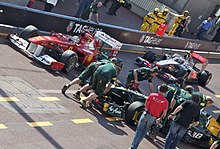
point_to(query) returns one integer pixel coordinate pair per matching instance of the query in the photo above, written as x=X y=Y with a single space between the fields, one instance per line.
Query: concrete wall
x=17 y=2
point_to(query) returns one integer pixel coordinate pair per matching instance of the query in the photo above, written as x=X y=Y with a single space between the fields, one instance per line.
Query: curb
x=136 y=49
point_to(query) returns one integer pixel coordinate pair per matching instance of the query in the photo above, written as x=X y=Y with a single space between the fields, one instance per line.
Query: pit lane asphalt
x=95 y=132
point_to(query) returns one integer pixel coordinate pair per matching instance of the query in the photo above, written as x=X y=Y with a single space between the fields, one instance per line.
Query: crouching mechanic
x=104 y=75
x=85 y=75
x=140 y=74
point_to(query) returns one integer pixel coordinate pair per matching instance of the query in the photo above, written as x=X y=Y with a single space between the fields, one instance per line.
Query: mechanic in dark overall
x=89 y=11
x=103 y=78
x=187 y=116
x=140 y=74
x=85 y=75
x=156 y=107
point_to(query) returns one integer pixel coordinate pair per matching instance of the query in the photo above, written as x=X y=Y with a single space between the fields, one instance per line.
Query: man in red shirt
x=156 y=107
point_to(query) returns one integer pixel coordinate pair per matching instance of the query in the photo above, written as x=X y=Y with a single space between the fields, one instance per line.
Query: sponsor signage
x=22 y=16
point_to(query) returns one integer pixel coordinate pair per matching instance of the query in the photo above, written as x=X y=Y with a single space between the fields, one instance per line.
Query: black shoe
x=77 y=95
x=114 y=14
x=85 y=104
x=65 y=87
x=109 y=13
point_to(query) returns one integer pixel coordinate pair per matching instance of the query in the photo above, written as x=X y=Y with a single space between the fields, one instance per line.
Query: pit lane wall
x=22 y=16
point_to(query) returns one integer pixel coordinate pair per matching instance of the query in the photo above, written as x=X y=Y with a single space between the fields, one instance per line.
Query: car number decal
x=195 y=135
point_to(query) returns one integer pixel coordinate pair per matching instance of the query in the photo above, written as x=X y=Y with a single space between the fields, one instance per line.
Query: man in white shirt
x=49 y=5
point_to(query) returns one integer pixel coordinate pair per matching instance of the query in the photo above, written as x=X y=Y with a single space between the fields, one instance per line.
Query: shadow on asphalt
x=112 y=126
x=208 y=89
x=29 y=119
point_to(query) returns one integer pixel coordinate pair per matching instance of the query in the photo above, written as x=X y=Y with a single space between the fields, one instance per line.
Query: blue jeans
x=144 y=125
x=83 y=5
x=201 y=33
x=174 y=136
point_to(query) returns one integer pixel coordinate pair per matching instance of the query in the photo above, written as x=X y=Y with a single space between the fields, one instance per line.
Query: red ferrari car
x=64 y=52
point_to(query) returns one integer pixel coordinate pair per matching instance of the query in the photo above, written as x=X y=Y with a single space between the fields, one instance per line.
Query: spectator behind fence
x=31 y=3
x=92 y=9
x=214 y=23
x=115 y=6
x=82 y=6
x=178 y=21
x=183 y=26
x=50 y=4
x=204 y=28
x=105 y=3
x=217 y=35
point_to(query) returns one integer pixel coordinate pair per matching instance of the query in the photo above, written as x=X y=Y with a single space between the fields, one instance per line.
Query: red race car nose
x=57 y=66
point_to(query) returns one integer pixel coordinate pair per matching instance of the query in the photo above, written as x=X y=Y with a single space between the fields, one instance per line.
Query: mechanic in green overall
x=171 y=95
x=141 y=74
x=103 y=78
x=173 y=89
x=85 y=75
x=205 y=101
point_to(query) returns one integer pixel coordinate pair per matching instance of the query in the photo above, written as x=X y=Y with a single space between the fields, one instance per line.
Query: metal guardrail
x=137 y=49
x=21 y=16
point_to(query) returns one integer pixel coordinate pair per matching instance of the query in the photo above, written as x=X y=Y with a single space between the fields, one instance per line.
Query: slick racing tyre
x=28 y=32
x=133 y=113
x=69 y=58
x=150 y=56
x=204 y=78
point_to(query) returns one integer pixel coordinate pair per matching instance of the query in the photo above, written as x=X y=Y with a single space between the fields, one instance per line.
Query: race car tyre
x=133 y=113
x=150 y=56
x=29 y=31
x=204 y=78
x=69 y=58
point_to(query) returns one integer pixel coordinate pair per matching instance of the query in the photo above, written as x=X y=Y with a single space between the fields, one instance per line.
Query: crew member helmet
x=118 y=62
x=75 y=39
x=156 y=10
x=154 y=70
x=189 y=88
x=186 y=13
x=165 y=11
